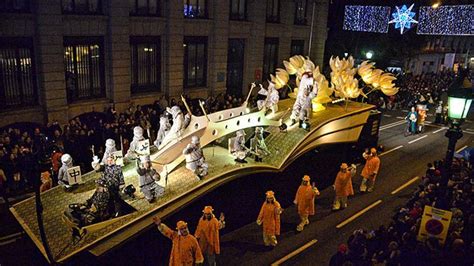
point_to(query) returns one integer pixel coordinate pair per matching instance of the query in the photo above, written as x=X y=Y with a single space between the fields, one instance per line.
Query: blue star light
x=403 y=18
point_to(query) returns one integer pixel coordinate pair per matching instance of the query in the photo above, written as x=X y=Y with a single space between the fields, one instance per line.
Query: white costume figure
x=306 y=92
x=195 y=160
x=109 y=150
x=63 y=176
x=178 y=124
x=147 y=180
x=271 y=102
x=258 y=146
x=239 y=150
x=137 y=136
x=187 y=120
x=164 y=128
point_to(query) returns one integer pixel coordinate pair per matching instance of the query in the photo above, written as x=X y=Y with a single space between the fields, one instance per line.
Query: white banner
x=74 y=175
x=143 y=147
x=449 y=60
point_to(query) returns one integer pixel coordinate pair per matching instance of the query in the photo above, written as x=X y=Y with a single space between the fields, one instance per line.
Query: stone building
x=441 y=53
x=62 y=58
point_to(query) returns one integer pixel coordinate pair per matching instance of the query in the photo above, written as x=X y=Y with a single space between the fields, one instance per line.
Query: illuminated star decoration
x=403 y=18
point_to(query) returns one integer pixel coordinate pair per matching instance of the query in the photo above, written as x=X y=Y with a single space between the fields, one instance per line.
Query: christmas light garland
x=366 y=18
x=442 y=20
x=446 y=20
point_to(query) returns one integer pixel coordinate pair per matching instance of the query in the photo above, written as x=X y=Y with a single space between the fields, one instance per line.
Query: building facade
x=443 y=53
x=62 y=58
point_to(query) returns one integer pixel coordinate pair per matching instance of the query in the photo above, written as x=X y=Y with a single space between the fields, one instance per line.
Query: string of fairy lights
x=446 y=20
x=366 y=18
x=442 y=20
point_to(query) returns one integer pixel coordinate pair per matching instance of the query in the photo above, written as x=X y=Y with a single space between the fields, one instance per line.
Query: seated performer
x=148 y=178
x=96 y=209
x=258 y=146
x=238 y=149
x=272 y=97
x=195 y=160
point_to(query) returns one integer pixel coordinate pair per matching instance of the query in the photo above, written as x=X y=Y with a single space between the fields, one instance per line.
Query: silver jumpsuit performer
x=195 y=160
x=147 y=180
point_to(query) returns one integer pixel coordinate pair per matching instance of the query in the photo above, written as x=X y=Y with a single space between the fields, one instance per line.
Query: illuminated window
x=273 y=11
x=84 y=67
x=297 y=47
x=17 y=73
x=145 y=7
x=195 y=61
x=195 y=8
x=15 y=6
x=238 y=9
x=85 y=7
x=270 y=57
x=300 y=12
x=145 y=64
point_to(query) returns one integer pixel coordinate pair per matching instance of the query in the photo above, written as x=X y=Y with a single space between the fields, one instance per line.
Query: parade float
x=330 y=117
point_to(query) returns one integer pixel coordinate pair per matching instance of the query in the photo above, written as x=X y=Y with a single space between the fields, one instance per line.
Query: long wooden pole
x=311 y=32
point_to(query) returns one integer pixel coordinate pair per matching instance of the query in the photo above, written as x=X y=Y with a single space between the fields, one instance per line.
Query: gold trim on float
x=29 y=231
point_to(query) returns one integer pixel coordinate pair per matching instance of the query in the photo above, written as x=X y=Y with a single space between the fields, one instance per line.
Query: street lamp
x=459 y=102
x=369 y=54
x=460 y=97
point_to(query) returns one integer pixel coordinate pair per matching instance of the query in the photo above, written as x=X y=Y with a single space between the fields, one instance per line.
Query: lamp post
x=459 y=102
x=369 y=55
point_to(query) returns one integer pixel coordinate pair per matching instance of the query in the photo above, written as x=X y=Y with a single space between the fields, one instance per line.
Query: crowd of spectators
x=397 y=244
x=425 y=89
x=84 y=136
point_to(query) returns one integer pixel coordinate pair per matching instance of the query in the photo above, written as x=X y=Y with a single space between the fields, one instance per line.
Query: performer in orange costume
x=269 y=216
x=185 y=250
x=370 y=171
x=343 y=186
x=305 y=201
x=207 y=233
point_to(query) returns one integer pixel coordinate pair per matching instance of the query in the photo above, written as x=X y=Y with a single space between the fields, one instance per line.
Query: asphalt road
x=405 y=158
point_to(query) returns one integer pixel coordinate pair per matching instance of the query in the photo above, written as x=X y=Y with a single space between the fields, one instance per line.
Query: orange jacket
x=343 y=184
x=46 y=186
x=305 y=200
x=185 y=250
x=207 y=233
x=56 y=161
x=371 y=168
x=270 y=217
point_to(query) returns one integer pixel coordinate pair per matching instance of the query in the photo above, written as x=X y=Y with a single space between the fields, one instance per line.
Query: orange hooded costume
x=270 y=216
x=207 y=233
x=185 y=250
x=371 y=167
x=305 y=198
x=343 y=183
